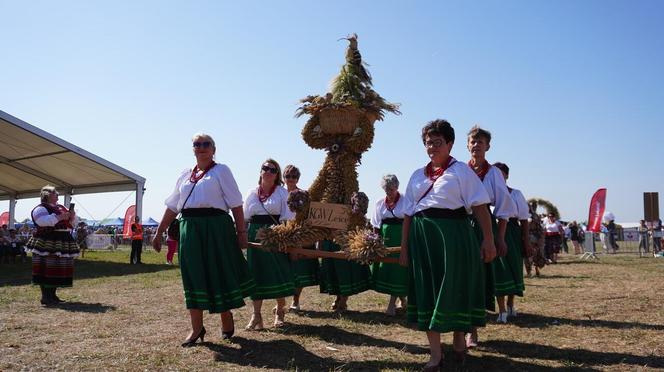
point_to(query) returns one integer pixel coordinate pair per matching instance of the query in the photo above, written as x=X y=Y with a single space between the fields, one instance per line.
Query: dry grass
x=585 y=316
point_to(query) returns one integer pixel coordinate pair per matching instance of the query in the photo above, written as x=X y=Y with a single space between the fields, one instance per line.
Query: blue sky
x=571 y=90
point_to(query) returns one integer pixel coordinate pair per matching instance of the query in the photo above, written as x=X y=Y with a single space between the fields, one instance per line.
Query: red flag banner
x=130 y=214
x=4 y=218
x=597 y=205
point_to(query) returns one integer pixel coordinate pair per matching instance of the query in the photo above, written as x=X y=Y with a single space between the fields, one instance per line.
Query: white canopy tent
x=31 y=158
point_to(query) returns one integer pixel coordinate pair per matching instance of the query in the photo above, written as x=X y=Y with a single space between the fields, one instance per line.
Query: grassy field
x=605 y=315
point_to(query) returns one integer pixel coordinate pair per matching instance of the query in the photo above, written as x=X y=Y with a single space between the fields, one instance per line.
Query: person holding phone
x=52 y=246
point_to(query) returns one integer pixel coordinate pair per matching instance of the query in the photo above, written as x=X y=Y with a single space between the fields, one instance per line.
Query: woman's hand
x=403 y=256
x=156 y=242
x=487 y=250
x=501 y=247
x=242 y=240
x=64 y=216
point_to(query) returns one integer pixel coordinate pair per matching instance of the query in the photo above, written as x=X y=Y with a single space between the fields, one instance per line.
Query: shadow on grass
x=337 y=336
x=82 y=307
x=578 y=357
x=21 y=273
x=526 y=320
x=288 y=355
x=544 y=277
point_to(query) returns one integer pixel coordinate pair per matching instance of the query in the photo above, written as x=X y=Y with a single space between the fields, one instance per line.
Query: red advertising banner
x=4 y=218
x=130 y=214
x=597 y=205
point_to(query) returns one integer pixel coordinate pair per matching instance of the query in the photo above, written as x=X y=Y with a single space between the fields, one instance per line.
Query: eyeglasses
x=204 y=145
x=272 y=170
x=291 y=177
x=433 y=144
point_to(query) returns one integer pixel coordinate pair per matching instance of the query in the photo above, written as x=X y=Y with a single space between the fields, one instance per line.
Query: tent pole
x=12 y=210
x=139 y=200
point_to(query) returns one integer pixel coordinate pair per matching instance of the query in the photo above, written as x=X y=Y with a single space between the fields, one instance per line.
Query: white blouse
x=523 y=212
x=217 y=189
x=494 y=182
x=381 y=212
x=275 y=204
x=43 y=218
x=458 y=187
x=551 y=227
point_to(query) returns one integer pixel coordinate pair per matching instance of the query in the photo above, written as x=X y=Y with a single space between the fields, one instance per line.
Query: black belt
x=442 y=213
x=265 y=219
x=392 y=221
x=203 y=212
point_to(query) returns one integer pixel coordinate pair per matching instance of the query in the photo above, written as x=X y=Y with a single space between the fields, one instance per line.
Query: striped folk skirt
x=272 y=271
x=53 y=256
x=215 y=275
x=390 y=278
x=306 y=272
x=342 y=277
x=446 y=289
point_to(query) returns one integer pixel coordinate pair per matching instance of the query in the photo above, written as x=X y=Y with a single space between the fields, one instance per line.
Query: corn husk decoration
x=342 y=124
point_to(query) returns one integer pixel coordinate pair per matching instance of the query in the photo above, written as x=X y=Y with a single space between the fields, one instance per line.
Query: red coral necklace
x=195 y=177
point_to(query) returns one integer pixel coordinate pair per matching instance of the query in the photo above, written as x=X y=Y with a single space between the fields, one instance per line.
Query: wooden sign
x=333 y=216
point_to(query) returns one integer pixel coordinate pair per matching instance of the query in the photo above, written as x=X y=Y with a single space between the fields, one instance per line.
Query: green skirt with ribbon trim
x=272 y=271
x=342 y=277
x=446 y=288
x=215 y=275
x=390 y=278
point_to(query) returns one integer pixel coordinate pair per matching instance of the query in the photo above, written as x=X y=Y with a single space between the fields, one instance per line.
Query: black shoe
x=192 y=341
x=226 y=335
x=54 y=298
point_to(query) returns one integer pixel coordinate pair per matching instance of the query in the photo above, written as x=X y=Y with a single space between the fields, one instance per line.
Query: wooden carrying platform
x=314 y=253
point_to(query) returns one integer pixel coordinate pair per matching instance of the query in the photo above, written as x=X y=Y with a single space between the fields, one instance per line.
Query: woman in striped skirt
x=446 y=292
x=390 y=278
x=264 y=206
x=52 y=246
x=215 y=275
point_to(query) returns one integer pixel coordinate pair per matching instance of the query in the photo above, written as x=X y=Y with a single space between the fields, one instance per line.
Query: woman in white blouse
x=390 y=278
x=266 y=205
x=518 y=246
x=52 y=246
x=446 y=292
x=215 y=275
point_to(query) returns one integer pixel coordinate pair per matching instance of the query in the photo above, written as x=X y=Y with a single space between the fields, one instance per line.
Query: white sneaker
x=502 y=318
x=511 y=312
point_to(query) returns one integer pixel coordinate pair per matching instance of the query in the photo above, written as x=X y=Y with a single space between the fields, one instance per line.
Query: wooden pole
x=340 y=255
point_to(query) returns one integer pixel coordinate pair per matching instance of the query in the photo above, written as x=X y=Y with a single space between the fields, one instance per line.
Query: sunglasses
x=291 y=177
x=433 y=144
x=204 y=145
x=272 y=170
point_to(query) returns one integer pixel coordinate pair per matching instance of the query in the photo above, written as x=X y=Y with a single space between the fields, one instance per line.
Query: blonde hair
x=45 y=192
x=204 y=136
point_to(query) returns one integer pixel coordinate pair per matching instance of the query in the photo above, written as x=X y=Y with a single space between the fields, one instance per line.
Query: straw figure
x=342 y=124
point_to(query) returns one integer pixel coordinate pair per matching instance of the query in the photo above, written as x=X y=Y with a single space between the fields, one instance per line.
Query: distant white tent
x=150 y=222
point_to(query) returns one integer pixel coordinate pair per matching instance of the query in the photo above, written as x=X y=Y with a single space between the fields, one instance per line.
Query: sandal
x=256 y=323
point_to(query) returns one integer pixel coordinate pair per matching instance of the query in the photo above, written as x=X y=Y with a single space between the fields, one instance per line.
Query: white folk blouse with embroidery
x=501 y=200
x=523 y=212
x=217 y=189
x=381 y=212
x=275 y=204
x=458 y=187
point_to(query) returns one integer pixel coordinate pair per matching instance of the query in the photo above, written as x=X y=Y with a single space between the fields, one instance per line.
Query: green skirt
x=446 y=291
x=390 y=278
x=487 y=268
x=342 y=277
x=306 y=271
x=271 y=270
x=514 y=258
x=215 y=275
